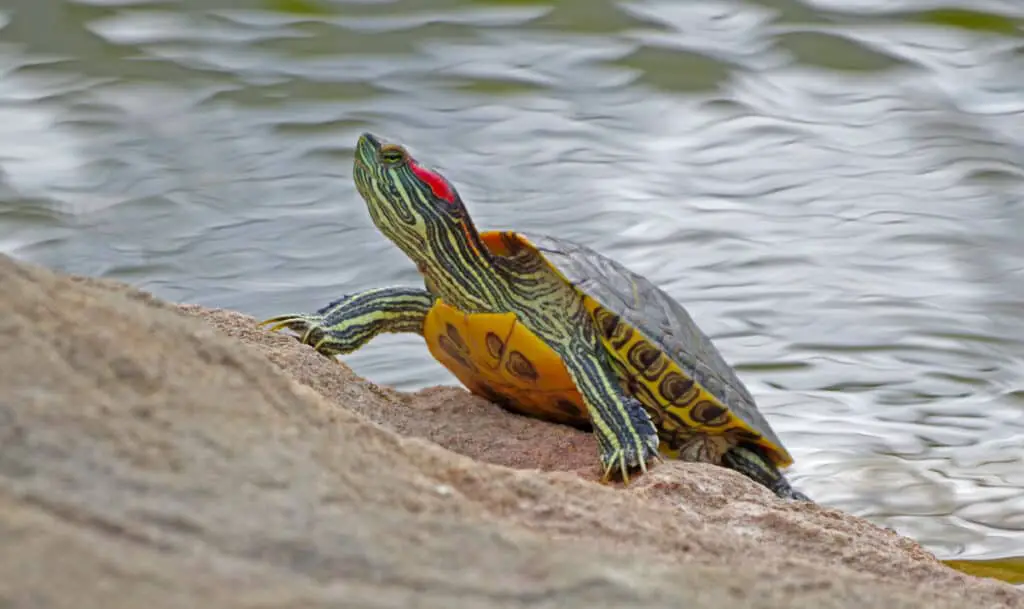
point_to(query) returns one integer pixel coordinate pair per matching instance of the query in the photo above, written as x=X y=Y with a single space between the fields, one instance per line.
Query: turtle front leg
x=351 y=321
x=625 y=433
x=751 y=461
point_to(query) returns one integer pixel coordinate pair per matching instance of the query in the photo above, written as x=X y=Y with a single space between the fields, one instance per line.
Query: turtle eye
x=392 y=154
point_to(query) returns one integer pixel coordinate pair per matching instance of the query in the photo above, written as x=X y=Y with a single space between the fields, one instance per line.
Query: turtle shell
x=648 y=310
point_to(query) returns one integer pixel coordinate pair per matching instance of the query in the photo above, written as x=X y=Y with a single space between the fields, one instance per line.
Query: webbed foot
x=309 y=330
x=630 y=448
x=796 y=495
x=346 y=324
x=752 y=461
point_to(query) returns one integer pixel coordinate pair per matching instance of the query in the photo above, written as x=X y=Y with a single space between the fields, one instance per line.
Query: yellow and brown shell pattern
x=497 y=358
x=692 y=423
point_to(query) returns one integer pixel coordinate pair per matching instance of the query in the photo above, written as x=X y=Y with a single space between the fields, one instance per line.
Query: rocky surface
x=161 y=456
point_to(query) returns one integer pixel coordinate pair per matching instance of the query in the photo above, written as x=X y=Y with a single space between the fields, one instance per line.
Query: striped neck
x=458 y=267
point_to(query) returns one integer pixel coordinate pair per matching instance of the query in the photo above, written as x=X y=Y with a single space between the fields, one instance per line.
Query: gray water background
x=833 y=188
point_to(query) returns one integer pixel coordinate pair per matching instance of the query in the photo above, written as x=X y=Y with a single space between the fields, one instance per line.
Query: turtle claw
x=618 y=458
x=798 y=496
x=277 y=319
x=294 y=322
x=631 y=457
x=307 y=327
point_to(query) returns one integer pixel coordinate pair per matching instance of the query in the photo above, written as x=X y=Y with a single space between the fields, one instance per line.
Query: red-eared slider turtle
x=547 y=328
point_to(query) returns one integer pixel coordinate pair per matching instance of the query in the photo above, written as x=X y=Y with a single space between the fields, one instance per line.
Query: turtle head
x=415 y=207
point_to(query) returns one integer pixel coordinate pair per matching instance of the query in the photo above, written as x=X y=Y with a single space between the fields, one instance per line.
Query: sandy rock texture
x=161 y=456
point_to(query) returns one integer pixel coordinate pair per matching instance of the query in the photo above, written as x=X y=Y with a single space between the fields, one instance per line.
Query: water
x=833 y=188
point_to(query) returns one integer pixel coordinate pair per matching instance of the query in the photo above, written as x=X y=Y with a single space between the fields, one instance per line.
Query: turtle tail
x=752 y=461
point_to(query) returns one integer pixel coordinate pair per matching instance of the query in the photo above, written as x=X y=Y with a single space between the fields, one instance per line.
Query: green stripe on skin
x=351 y=321
x=423 y=215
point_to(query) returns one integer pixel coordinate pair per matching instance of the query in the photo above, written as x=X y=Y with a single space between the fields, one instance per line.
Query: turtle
x=548 y=328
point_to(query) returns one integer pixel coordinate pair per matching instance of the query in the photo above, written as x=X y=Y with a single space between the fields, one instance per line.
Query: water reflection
x=832 y=189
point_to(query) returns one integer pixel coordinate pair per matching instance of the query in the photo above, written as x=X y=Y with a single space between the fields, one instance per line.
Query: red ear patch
x=438 y=185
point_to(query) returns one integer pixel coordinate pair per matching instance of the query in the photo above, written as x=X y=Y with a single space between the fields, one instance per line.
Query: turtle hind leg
x=751 y=460
x=351 y=321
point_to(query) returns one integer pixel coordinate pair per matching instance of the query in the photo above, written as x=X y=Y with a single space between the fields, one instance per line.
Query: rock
x=160 y=456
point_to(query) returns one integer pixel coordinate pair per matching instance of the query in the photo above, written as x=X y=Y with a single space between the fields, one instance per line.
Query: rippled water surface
x=832 y=187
